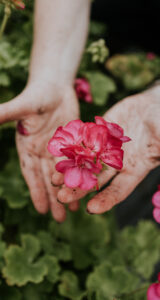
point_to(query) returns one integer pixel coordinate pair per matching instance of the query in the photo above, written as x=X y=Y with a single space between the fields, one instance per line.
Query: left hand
x=139 y=117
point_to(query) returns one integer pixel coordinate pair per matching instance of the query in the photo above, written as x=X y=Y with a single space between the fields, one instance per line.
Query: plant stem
x=7 y=13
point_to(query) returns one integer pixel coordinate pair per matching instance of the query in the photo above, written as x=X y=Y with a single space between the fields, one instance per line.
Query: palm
x=139 y=116
x=41 y=119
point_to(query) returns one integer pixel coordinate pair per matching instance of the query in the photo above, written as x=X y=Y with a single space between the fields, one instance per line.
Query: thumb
x=14 y=109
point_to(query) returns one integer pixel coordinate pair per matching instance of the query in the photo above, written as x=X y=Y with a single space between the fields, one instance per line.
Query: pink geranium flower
x=153 y=292
x=151 y=55
x=87 y=146
x=156 y=204
x=83 y=90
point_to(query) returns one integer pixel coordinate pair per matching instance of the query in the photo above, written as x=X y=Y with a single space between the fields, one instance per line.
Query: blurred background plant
x=87 y=257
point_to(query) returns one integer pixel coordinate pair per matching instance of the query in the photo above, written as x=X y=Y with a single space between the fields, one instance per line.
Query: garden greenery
x=87 y=257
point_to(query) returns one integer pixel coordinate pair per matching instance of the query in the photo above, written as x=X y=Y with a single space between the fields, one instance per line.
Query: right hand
x=41 y=109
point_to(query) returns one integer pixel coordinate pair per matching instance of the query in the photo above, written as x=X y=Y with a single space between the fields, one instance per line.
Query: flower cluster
x=98 y=51
x=156 y=204
x=150 y=56
x=19 y=4
x=87 y=146
x=153 y=292
x=83 y=89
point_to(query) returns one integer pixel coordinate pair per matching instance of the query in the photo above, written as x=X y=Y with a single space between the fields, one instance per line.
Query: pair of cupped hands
x=41 y=108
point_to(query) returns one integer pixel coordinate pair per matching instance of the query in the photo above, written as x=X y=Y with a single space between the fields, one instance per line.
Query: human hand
x=40 y=109
x=139 y=117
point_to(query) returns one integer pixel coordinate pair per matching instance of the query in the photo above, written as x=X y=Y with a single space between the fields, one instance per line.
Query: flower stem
x=7 y=13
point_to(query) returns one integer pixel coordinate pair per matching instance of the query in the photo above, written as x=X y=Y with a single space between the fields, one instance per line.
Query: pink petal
x=63 y=165
x=151 y=293
x=93 y=167
x=113 y=142
x=125 y=139
x=55 y=145
x=88 y=98
x=60 y=139
x=95 y=137
x=156 y=214
x=156 y=199
x=114 y=129
x=73 y=128
x=83 y=89
x=100 y=121
x=66 y=135
x=75 y=150
x=73 y=177
x=113 y=158
x=89 y=180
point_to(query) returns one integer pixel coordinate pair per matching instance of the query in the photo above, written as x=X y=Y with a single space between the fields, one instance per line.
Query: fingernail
x=59 y=201
x=88 y=212
x=55 y=185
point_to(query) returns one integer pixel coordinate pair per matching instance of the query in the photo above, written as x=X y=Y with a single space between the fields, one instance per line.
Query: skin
x=49 y=100
x=139 y=117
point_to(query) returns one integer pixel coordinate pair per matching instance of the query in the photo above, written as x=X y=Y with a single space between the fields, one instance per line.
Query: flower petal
x=156 y=199
x=156 y=214
x=73 y=177
x=113 y=158
x=95 y=137
x=151 y=293
x=55 y=146
x=89 y=180
x=63 y=165
x=73 y=128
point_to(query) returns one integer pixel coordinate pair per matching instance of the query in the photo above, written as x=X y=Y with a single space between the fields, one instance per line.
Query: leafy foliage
x=87 y=257
x=69 y=286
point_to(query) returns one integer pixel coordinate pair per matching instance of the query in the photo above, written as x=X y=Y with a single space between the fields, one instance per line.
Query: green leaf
x=12 y=185
x=53 y=268
x=22 y=264
x=2 y=247
x=132 y=70
x=110 y=280
x=69 y=286
x=140 y=246
x=85 y=233
x=4 y=79
x=101 y=86
x=50 y=245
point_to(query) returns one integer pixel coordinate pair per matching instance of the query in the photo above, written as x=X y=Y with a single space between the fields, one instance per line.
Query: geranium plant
x=87 y=257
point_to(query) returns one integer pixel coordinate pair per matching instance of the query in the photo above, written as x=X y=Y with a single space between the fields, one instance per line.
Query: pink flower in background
x=87 y=146
x=150 y=55
x=156 y=204
x=83 y=89
x=19 y=4
x=153 y=292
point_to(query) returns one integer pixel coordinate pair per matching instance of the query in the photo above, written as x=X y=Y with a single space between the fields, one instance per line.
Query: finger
x=121 y=186
x=57 y=178
x=14 y=110
x=32 y=173
x=57 y=209
x=67 y=195
x=74 y=206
